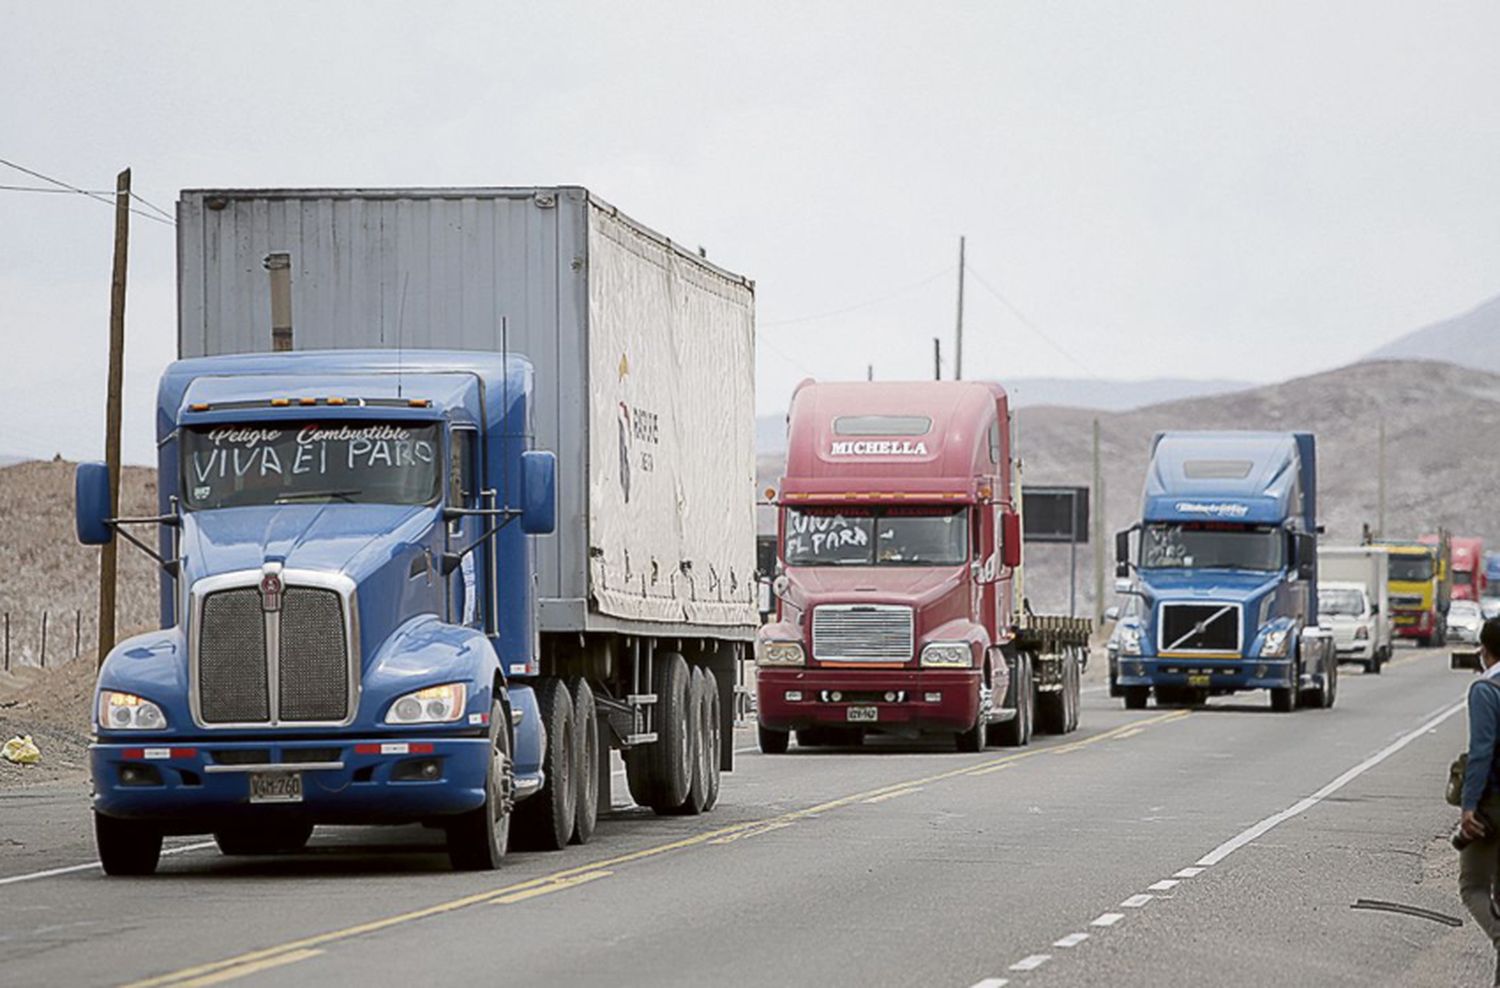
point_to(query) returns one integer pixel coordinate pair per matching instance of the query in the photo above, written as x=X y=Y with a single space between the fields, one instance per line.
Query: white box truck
x=1354 y=602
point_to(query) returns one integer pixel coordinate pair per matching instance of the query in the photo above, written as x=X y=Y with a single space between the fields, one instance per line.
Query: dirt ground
x=51 y=705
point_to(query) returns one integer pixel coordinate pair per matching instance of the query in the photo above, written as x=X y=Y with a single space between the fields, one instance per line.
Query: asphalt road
x=1220 y=846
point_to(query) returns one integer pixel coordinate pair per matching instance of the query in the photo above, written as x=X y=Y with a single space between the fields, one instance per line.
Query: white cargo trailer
x=644 y=359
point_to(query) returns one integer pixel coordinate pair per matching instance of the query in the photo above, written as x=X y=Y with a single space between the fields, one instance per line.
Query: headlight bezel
x=947 y=655
x=1276 y=643
x=140 y=713
x=781 y=654
x=1130 y=641
x=440 y=703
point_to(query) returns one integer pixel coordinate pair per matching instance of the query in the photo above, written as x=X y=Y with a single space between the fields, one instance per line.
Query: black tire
x=698 y=772
x=1073 y=686
x=1284 y=700
x=477 y=839
x=713 y=737
x=587 y=752
x=972 y=740
x=1016 y=732
x=1425 y=641
x=1136 y=697
x=126 y=847
x=545 y=821
x=286 y=838
x=772 y=741
x=1330 y=691
x=1052 y=707
x=671 y=757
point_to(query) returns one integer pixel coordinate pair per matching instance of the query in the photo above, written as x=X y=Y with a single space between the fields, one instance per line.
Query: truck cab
x=1469 y=578
x=899 y=544
x=1224 y=560
x=1419 y=590
x=347 y=626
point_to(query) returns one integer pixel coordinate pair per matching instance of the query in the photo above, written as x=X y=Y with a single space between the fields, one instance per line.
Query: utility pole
x=108 y=553
x=1380 y=488
x=937 y=358
x=958 y=336
x=1098 y=532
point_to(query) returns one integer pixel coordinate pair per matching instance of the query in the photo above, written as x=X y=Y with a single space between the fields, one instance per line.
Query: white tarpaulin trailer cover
x=644 y=357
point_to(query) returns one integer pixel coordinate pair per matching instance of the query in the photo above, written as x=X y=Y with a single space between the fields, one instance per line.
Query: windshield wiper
x=310 y=495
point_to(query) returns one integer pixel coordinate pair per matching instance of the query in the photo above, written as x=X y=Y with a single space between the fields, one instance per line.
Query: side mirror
x=1122 y=554
x=91 y=504
x=1111 y=614
x=1010 y=534
x=1374 y=610
x=1307 y=556
x=538 y=492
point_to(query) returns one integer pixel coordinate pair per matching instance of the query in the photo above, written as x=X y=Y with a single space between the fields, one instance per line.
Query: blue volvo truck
x=455 y=495
x=1224 y=562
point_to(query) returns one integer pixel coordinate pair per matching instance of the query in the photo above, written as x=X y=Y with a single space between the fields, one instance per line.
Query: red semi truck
x=898 y=588
x=1469 y=581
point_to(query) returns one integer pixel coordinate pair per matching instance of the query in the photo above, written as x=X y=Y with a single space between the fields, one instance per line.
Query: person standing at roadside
x=1480 y=803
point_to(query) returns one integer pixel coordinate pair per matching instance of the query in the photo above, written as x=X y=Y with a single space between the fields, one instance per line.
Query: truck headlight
x=1130 y=641
x=1274 y=645
x=433 y=705
x=1361 y=633
x=781 y=654
x=950 y=655
x=128 y=712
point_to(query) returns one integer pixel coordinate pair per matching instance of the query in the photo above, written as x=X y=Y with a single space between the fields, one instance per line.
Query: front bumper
x=201 y=783
x=956 y=709
x=1355 y=649
x=1413 y=624
x=1223 y=675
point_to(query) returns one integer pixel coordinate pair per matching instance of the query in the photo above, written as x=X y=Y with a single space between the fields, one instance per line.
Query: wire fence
x=43 y=640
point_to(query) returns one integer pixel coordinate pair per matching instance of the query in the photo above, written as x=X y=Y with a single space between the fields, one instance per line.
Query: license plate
x=275 y=787
x=863 y=714
x=1199 y=679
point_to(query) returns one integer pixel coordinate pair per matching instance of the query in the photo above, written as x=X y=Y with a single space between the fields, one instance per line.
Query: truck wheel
x=772 y=741
x=126 y=847
x=1052 y=707
x=973 y=739
x=697 y=748
x=545 y=821
x=1136 y=697
x=1330 y=690
x=713 y=738
x=286 y=838
x=1017 y=731
x=671 y=757
x=586 y=750
x=1073 y=686
x=1284 y=701
x=477 y=838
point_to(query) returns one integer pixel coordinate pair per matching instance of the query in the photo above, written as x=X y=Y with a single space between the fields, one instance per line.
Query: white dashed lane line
x=1108 y=919
x=991 y=983
x=1071 y=940
x=1166 y=884
x=1031 y=963
x=1137 y=901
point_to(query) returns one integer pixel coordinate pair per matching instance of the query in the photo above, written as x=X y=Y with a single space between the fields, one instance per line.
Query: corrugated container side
x=448 y=268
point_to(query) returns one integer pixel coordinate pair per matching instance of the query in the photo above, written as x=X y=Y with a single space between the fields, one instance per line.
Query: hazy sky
x=1199 y=189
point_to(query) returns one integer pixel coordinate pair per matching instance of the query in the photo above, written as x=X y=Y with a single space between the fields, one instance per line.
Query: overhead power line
x=104 y=197
x=1024 y=321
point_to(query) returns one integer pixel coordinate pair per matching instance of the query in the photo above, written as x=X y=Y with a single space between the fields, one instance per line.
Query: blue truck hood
x=353 y=539
x=1197 y=584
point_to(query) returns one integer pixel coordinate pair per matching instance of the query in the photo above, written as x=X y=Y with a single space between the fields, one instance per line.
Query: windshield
x=876 y=536
x=1411 y=567
x=1350 y=603
x=230 y=466
x=1463 y=609
x=1212 y=545
x=1462 y=577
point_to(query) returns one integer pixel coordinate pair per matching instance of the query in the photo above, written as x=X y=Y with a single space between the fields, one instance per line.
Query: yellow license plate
x=1199 y=679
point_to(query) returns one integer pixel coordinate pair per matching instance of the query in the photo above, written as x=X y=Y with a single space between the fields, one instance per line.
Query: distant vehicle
x=1419 y=588
x=1227 y=569
x=1345 y=610
x=1127 y=619
x=1464 y=621
x=1489 y=607
x=1363 y=636
x=1467 y=556
x=361 y=621
x=898 y=605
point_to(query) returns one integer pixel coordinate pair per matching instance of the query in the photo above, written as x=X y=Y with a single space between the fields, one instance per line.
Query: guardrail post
x=44 y=639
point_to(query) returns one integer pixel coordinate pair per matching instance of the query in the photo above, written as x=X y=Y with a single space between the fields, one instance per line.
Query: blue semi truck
x=483 y=513
x=1224 y=563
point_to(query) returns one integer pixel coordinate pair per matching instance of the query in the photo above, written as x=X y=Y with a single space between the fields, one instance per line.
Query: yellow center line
x=567 y=883
x=894 y=794
x=243 y=970
x=563 y=878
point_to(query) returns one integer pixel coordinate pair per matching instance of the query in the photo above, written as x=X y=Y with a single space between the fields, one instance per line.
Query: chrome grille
x=862 y=633
x=1200 y=628
x=313 y=671
x=293 y=664
x=1406 y=600
x=232 y=679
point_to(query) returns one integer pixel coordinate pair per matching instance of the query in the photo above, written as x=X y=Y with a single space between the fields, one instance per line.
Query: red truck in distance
x=1469 y=581
x=899 y=567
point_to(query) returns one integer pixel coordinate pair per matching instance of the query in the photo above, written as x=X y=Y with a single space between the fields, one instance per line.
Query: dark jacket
x=1482 y=775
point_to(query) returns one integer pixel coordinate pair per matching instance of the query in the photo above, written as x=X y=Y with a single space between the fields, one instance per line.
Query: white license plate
x=275 y=787
x=862 y=714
